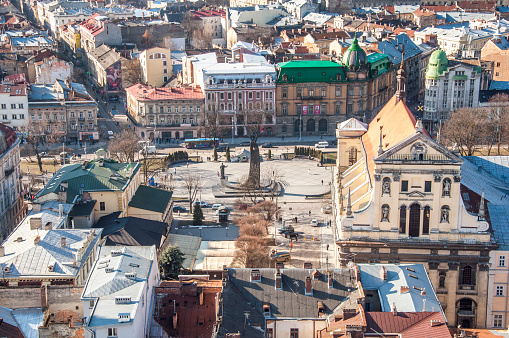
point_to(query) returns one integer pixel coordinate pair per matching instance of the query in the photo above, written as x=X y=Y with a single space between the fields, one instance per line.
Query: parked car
x=245 y=143
x=327 y=209
x=267 y=145
x=333 y=142
x=322 y=144
x=178 y=208
x=202 y=204
x=110 y=132
x=217 y=206
x=314 y=223
x=221 y=148
x=281 y=256
x=291 y=235
x=285 y=229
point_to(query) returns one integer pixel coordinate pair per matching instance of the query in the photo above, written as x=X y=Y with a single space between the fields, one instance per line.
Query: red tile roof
x=14 y=90
x=409 y=32
x=477 y=5
x=397 y=123
x=93 y=26
x=16 y=78
x=9 y=133
x=408 y=324
x=207 y=13
x=146 y=93
x=441 y=8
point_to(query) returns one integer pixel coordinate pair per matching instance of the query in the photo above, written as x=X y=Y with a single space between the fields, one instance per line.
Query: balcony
x=240 y=85
x=81 y=119
x=9 y=171
x=311 y=97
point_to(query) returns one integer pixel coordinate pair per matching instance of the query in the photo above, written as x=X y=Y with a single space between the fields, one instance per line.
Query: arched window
x=240 y=106
x=414 y=222
x=446 y=187
x=444 y=214
x=402 y=219
x=441 y=279
x=229 y=106
x=221 y=107
x=385 y=213
x=466 y=275
x=310 y=125
x=386 y=186
x=425 y=220
x=322 y=125
x=352 y=156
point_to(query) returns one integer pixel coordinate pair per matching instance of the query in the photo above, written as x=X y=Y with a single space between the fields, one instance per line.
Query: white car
x=327 y=209
x=216 y=206
x=314 y=223
x=110 y=133
x=322 y=144
x=201 y=203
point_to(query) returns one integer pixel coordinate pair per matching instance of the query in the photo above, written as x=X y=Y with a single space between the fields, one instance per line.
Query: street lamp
x=300 y=126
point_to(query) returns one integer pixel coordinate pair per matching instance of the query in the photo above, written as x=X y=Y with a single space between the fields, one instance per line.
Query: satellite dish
x=350 y=265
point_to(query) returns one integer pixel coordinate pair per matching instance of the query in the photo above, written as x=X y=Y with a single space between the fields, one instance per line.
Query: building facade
x=497 y=51
x=155 y=66
x=14 y=106
x=162 y=114
x=401 y=202
x=312 y=96
x=449 y=86
x=237 y=94
x=97 y=31
x=12 y=208
x=64 y=108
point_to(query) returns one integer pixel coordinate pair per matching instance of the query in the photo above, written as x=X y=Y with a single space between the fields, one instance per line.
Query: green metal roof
x=150 y=198
x=437 y=64
x=110 y=176
x=302 y=71
x=354 y=56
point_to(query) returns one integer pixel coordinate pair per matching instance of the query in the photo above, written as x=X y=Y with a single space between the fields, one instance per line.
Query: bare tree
x=147 y=39
x=124 y=146
x=197 y=37
x=251 y=252
x=41 y=133
x=193 y=184
x=253 y=121
x=498 y=121
x=131 y=72
x=466 y=128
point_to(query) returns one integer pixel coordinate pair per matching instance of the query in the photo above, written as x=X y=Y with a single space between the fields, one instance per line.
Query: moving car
x=322 y=144
x=221 y=148
x=202 y=204
x=285 y=229
x=217 y=206
x=178 y=208
x=327 y=209
x=267 y=145
x=245 y=143
x=280 y=257
x=314 y=223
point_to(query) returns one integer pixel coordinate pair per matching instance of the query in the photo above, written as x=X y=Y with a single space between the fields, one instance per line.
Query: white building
x=12 y=209
x=14 y=105
x=118 y=294
x=449 y=86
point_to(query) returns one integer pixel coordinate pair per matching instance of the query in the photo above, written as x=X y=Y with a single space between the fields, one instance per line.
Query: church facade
x=398 y=199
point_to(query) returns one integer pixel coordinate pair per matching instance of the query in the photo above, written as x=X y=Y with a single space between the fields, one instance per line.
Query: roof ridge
x=429 y=314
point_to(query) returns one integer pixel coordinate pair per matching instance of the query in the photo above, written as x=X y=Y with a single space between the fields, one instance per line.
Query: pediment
x=420 y=148
x=416 y=193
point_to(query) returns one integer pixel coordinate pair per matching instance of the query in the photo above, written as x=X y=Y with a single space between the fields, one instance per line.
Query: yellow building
x=156 y=67
x=398 y=199
x=111 y=184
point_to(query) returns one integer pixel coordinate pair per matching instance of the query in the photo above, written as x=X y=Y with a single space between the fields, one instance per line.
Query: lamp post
x=300 y=126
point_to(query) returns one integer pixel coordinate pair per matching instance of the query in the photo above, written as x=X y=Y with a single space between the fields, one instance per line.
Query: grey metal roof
x=291 y=301
x=189 y=245
x=27 y=320
x=393 y=49
x=412 y=275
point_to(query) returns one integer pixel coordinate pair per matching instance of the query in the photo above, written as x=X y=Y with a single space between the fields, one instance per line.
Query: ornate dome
x=354 y=57
x=437 y=64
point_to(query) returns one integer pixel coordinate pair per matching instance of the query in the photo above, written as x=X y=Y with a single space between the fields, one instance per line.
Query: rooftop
x=36 y=244
x=394 y=48
x=146 y=93
x=104 y=285
x=91 y=176
x=21 y=322
x=150 y=198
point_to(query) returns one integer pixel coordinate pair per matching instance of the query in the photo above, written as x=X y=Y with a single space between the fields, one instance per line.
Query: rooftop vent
x=124 y=317
x=278 y=280
x=266 y=309
x=116 y=253
x=404 y=288
x=19 y=239
x=109 y=269
x=435 y=322
x=35 y=223
x=51 y=268
x=130 y=275
x=63 y=242
x=256 y=276
x=122 y=300
x=309 y=287
x=7 y=269
x=321 y=309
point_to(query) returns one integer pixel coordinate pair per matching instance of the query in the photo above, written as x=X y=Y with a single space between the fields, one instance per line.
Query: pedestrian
x=282 y=137
x=218 y=174
x=322 y=182
x=175 y=171
x=327 y=246
x=179 y=212
x=309 y=171
x=309 y=212
x=188 y=167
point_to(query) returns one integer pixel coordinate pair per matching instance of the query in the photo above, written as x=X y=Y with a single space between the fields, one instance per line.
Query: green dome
x=354 y=56
x=437 y=64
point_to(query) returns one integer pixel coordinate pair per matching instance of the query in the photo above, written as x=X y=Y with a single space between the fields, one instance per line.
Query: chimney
x=308 y=265
x=423 y=292
x=255 y=275
x=2 y=251
x=37 y=239
x=321 y=309
x=394 y=309
x=225 y=273
x=62 y=242
x=36 y=207
x=309 y=287
x=60 y=210
x=330 y=280
x=404 y=289
x=266 y=309
x=384 y=273
x=349 y=313
x=278 y=280
x=424 y=305
x=35 y=223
